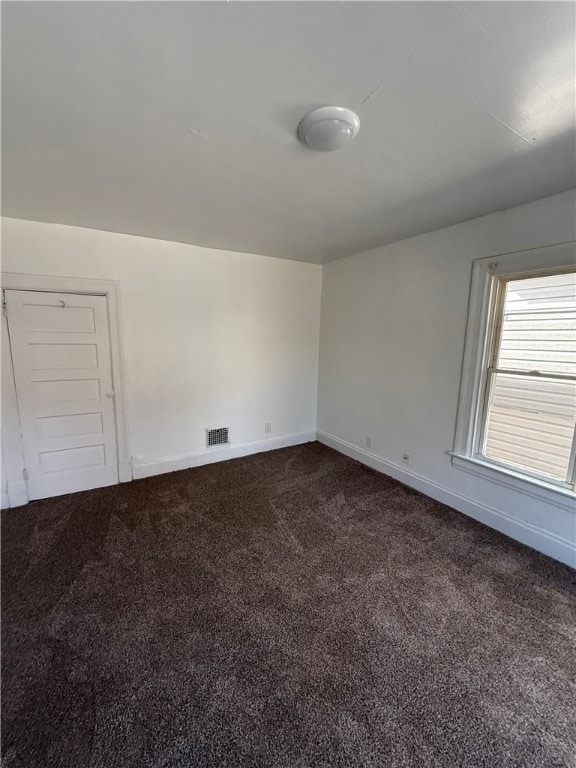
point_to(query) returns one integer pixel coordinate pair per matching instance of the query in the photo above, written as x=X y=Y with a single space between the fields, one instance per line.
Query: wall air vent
x=217 y=436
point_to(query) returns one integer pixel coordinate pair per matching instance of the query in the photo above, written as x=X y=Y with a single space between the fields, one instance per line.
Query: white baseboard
x=17 y=493
x=4 y=501
x=537 y=538
x=219 y=454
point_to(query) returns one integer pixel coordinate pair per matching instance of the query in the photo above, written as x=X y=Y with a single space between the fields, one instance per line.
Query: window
x=517 y=413
x=530 y=381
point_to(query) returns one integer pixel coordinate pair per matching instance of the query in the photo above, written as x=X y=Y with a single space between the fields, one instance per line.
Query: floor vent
x=217 y=436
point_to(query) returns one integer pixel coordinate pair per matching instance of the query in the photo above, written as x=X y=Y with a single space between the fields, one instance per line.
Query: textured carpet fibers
x=289 y=609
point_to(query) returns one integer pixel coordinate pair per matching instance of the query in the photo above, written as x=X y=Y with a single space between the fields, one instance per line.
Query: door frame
x=12 y=446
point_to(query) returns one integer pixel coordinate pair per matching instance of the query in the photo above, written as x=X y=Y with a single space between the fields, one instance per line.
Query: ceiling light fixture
x=329 y=128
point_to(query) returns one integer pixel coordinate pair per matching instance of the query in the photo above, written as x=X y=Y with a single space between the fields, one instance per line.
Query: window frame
x=489 y=276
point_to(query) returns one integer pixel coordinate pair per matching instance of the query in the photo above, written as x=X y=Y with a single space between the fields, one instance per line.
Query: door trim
x=12 y=447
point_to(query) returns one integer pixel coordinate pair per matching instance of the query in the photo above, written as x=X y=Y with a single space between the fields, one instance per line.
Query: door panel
x=42 y=318
x=73 y=458
x=55 y=356
x=66 y=426
x=60 y=346
x=66 y=391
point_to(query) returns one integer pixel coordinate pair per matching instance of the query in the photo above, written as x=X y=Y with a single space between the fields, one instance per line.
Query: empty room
x=288 y=384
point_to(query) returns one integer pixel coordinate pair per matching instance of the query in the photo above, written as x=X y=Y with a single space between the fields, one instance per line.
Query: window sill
x=565 y=498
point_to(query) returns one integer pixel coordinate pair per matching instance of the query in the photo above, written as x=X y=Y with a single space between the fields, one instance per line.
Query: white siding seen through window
x=530 y=387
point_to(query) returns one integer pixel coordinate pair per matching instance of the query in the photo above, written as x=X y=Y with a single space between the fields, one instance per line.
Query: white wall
x=213 y=337
x=210 y=337
x=391 y=343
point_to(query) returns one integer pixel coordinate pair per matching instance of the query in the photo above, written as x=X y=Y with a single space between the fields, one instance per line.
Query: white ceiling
x=178 y=120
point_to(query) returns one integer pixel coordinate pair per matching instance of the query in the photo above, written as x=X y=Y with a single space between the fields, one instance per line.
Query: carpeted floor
x=290 y=609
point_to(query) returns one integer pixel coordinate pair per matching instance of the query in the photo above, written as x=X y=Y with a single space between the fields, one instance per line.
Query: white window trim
x=477 y=347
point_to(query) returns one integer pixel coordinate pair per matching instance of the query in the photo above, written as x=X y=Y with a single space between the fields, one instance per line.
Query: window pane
x=531 y=423
x=539 y=325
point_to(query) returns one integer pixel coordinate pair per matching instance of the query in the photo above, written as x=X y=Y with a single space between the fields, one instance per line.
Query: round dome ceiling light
x=329 y=128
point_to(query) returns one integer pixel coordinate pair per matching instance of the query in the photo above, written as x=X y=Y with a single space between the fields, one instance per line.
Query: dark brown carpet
x=288 y=609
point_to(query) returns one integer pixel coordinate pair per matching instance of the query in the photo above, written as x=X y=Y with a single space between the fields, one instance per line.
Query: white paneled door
x=60 y=344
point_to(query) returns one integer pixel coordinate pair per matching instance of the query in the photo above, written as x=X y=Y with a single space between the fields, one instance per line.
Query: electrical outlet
x=406 y=457
x=267 y=428
x=368 y=442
